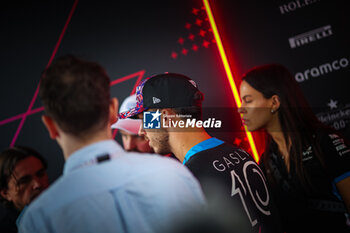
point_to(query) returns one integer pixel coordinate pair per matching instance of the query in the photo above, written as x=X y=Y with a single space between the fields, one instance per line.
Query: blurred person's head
x=270 y=94
x=173 y=97
x=273 y=101
x=76 y=97
x=129 y=128
x=23 y=176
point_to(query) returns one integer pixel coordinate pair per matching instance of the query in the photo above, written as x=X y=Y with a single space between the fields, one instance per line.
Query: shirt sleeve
x=336 y=152
x=33 y=222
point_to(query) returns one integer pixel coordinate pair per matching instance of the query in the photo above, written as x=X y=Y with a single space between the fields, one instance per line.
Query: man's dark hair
x=8 y=161
x=76 y=94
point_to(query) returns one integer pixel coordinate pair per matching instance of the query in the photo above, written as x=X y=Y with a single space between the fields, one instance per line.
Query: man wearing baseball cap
x=171 y=107
x=129 y=128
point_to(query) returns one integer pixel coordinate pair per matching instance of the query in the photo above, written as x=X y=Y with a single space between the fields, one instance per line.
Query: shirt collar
x=204 y=145
x=89 y=152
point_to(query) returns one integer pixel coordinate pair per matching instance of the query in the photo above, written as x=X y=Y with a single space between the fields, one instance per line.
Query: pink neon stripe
x=140 y=74
x=3 y=122
x=115 y=131
x=114 y=82
x=63 y=32
x=37 y=110
x=49 y=63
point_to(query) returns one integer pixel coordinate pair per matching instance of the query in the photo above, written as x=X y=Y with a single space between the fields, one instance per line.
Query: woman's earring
x=272 y=111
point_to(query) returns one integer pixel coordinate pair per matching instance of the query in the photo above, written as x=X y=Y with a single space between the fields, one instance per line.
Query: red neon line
x=48 y=64
x=228 y=73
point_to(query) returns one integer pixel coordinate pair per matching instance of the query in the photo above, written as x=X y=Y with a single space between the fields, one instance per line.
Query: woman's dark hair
x=298 y=122
x=8 y=160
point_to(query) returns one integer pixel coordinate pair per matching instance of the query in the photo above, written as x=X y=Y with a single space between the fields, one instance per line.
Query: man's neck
x=184 y=141
x=70 y=144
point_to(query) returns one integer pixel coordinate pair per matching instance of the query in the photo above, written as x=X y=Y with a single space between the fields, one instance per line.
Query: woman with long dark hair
x=307 y=164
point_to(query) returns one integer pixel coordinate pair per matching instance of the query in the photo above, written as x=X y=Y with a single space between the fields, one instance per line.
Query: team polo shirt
x=231 y=174
x=295 y=202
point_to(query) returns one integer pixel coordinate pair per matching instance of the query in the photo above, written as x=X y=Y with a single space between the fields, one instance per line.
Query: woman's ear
x=275 y=102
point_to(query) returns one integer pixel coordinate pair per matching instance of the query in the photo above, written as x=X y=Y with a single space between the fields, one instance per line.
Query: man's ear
x=113 y=111
x=50 y=126
x=4 y=194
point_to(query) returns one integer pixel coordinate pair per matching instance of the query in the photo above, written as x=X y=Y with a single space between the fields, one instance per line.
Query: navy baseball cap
x=168 y=90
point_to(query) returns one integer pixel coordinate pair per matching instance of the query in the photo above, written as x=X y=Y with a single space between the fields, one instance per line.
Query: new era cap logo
x=193 y=83
x=156 y=100
x=151 y=120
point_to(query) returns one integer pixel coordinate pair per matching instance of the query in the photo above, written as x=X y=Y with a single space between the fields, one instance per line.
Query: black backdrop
x=136 y=39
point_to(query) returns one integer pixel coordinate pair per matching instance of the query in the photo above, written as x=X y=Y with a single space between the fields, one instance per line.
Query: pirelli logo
x=310 y=36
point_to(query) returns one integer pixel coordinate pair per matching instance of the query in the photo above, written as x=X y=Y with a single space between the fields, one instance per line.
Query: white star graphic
x=155 y=115
x=332 y=104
